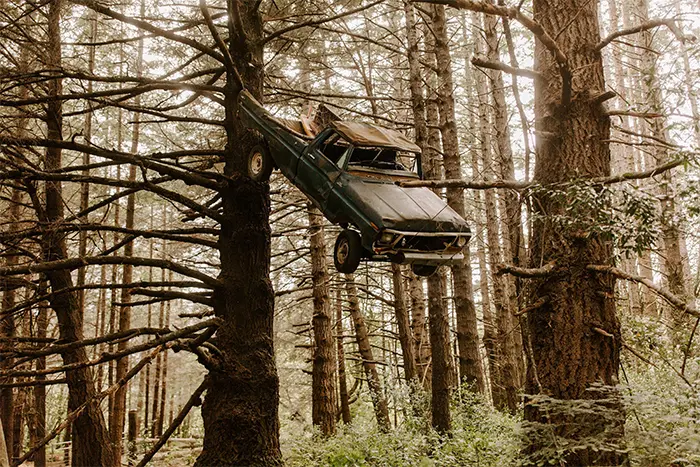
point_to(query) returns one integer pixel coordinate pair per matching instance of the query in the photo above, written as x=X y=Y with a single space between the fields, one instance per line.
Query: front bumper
x=428 y=248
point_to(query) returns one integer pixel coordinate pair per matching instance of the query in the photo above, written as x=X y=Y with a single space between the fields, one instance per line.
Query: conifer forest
x=234 y=233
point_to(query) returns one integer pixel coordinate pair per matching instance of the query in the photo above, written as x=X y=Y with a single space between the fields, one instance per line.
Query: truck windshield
x=384 y=159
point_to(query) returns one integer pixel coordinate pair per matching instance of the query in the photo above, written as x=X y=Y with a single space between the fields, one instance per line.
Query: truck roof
x=369 y=135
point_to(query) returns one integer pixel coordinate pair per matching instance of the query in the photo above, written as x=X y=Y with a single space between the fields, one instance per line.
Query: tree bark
x=404 y=326
x=381 y=408
x=91 y=442
x=569 y=357
x=470 y=368
x=240 y=409
x=342 y=380
x=323 y=393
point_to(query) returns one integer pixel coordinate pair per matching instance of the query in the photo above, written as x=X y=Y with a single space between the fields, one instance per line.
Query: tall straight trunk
x=404 y=325
x=42 y=324
x=504 y=381
x=470 y=368
x=122 y=365
x=570 y=355
x=673 y=262
x=240 y=410
x=7 y=330
x=442 y=376
x=511 y=217
x=342 y=379
x=323 y=393
x=381 y=408
x=164 y=379
x=91 y=443
x=421 y=340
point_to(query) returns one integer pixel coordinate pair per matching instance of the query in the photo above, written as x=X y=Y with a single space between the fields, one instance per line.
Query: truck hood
x=404 y=208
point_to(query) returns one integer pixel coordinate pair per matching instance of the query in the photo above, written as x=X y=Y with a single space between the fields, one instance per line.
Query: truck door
x=317 y=171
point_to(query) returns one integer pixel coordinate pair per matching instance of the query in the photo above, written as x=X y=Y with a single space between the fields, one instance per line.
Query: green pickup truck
x=350 y=171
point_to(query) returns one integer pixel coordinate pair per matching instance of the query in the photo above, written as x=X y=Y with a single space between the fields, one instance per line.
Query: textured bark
x=569 y=357
x=421 y=129
x=673 y=260
x=404 y=325
x=421 y=340
x=323 y=394
x=470 y=369
x=498 y=335
x=342 y=380
x=240 y=410
x=91 y=443
x=42 y=323
x=442 y=377
x=381 y=408
x=122 y=365
x=511 y=218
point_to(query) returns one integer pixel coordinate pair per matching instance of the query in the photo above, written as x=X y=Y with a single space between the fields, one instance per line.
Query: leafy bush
x=481 y=437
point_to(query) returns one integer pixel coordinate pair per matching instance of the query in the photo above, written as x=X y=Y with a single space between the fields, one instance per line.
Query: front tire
x=423 y=270
x=348 y=251
x=260 y=163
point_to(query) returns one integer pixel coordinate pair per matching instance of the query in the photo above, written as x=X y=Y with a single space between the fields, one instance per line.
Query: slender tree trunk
x=511 y=218
x=323 y=393
x=470 y=368
x=570 y=354
x=342 y=379
x=404 y=325
x=91 y=442
x=122 y=365
x=42 y=324
x=673 y=261
x=421 y=340
x=381 y=408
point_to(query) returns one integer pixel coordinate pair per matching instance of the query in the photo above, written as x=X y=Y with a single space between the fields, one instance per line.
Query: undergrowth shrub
x=481 y=436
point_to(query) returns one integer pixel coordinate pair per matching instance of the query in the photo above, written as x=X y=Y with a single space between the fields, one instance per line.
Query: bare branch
x=524 y=72
x=544 y=271
x=655 y=23
x=670 y=297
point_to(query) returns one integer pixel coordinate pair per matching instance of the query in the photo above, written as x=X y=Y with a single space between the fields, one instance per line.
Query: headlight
x=386 y=237
x=461 y=241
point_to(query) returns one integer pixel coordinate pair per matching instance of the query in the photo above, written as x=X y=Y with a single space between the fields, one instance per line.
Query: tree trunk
x=570 y=352
x=404 y=325
x=122 y=365
x=470 y=369
x=323 y=395
x=240 y=410
x=381 y=408
x=91 y=443
x=342 y=380
x=42 y=324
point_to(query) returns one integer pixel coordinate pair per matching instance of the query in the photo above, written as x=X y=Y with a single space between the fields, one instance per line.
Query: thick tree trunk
x=381 y=408
x=470 y=368
x=575 y=334
x=240 y=409
x=323 y=394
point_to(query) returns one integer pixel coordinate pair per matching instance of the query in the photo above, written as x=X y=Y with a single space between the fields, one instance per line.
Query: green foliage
x=624 y=214
x=481 y=437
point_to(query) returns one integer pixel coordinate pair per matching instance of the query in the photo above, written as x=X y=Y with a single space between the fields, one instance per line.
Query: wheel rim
x=343 y=251
x=256 y=163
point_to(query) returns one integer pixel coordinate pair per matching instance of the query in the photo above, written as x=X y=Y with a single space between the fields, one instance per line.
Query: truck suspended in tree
x=349 y=170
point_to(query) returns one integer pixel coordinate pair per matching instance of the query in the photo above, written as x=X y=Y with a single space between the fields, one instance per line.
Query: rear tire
x=423 y=270
x=260 y=163
x=347 y=252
